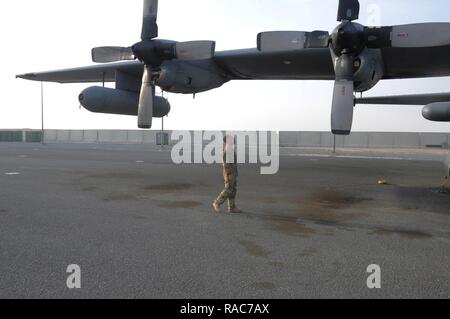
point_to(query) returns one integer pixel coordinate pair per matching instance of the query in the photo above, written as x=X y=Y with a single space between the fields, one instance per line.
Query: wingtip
x=27 y=76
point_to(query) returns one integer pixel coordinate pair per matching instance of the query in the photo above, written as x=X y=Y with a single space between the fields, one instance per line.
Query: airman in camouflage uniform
x=230 y=174
x=445 y=184
x=446 y=181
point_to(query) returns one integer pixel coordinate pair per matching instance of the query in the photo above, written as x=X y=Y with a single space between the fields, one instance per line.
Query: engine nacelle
x=189 y=78
x=113 y=101
x=369 y=71
x=437 y=112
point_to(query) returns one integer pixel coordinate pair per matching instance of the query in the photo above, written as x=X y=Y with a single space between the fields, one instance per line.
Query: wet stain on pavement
x=292 y=228
x=284 y=224
x=168 y=188
x=180 y=204
x=327 y=217
x=328 y=207
x=324 y=207
x=423 y=199
x=335 y=200
x=253 y=249
x=407 y=234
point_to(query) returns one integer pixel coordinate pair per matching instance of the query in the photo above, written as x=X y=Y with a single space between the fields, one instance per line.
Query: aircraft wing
x=238 y=64
x=316 y=64
x=94 y=73
x=310 y=64
x=404 y=63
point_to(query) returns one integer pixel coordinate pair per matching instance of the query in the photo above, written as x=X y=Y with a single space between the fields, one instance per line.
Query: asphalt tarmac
x=140 y=226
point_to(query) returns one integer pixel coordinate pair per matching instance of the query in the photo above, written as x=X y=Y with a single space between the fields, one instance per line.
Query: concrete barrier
x=11 y=136
x=32 y=137
x=308 y=139
x=76 y=136
x=150 y=137
x=434 y=140
x=357 y=140
x=50 y=136
x=287 y=139
x=381 y=140
x=63 y=136
x=407 y=140
x=90 y=136
x=112 y=137
x=135 y=137
x=326 y=139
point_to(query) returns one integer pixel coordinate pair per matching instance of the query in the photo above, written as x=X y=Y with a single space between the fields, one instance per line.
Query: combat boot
x=234 y=210
x=216 y=207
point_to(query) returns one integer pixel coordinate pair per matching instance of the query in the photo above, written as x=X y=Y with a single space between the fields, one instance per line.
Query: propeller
x=292 y=40
x=145 y=109
x=345 y=43
x=348 y=10
x=112 y=54
x=152 y=52
x=150 y=16
x=343 y=99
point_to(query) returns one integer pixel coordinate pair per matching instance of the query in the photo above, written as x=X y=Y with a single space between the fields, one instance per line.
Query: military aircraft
x=356 y=57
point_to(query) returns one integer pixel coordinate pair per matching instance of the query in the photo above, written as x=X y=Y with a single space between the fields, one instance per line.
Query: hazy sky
x=51 y=34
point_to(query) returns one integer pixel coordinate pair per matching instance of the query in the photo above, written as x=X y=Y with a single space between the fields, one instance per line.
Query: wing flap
x=310 y=64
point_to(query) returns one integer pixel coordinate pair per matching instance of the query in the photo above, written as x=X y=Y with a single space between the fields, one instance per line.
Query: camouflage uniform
x=230 y=174
x=445 y=185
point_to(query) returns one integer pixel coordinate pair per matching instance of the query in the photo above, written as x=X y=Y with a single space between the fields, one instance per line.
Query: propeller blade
x=343 y=99
x=149 y=25
x=348 y=10
x=195 y=50
x=145 y=111
x=276 y=41
x=342 y=109
x=421 y=35
x=111 y=54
